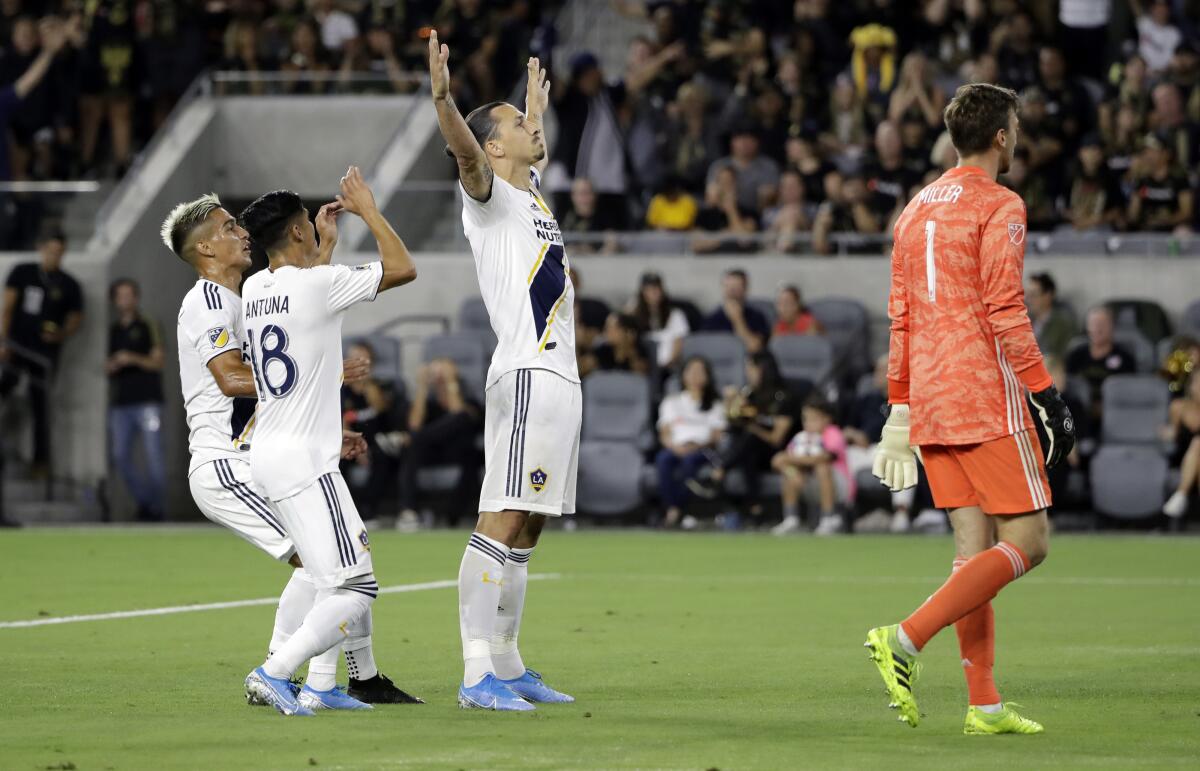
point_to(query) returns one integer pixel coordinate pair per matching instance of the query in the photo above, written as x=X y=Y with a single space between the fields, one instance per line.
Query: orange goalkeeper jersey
x=962 y=347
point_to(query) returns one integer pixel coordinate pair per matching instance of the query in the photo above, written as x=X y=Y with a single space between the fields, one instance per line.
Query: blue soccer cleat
x=275 y=691
x=530 y=687
x=490 y=693
x=334 y=698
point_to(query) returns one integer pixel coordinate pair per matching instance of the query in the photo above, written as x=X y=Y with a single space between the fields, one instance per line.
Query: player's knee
x=361 y=589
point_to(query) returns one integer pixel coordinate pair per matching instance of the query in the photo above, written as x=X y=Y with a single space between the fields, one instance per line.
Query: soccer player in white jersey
x=219 y=397
x=534 y=404
x=292 y=319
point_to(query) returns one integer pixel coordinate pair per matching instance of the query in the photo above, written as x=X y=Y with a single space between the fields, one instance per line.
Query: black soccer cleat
x=380 y=690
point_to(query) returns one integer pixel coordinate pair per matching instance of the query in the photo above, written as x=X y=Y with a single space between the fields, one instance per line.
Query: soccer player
x=292 y=320
x=219 y=396
x=962 y=358
x=534 y=403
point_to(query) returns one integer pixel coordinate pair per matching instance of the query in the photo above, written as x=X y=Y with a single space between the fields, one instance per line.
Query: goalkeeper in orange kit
x=963 y=360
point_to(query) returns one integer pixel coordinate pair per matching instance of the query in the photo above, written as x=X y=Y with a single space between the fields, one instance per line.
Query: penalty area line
x=173 y=609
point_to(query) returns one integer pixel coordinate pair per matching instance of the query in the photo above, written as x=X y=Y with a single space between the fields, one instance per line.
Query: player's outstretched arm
x=537 y=99
x=356 y=197
x=473 y=168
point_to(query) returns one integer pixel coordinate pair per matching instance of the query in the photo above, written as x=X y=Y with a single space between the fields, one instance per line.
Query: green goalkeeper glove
x=895 y=460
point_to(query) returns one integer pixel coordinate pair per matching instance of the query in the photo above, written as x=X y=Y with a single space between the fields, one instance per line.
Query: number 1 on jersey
x=930 y=262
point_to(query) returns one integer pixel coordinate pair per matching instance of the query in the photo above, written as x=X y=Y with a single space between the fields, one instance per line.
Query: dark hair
x=120 y=282
x=976 y=113
x=737 y=273
x=627 y=322
x=820 y=404
x=481 y=123
x=772 y=380
x=1045 y=282
x=794 y=291
x=365 y=346
x=268 y=217
x=648 y=319
x=709 y=397
x=51 y=231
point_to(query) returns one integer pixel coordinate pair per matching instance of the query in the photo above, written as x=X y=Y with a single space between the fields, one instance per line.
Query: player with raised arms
x=292 y=317
x=219 y=398
x=534 y=404
x=962 y=361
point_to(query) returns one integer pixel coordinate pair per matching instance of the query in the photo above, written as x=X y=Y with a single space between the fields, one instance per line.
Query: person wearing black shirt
x=1100 y=358
x=591 y=313
x=135 y=360
x=1161 y=199
x=443 y=424
x=735 y=316
x=621 y=350
x=369 y=408
x=43 y=306
x=888 y=178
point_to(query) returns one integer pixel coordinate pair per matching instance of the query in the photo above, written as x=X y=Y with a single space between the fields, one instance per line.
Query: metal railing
x=325 y=82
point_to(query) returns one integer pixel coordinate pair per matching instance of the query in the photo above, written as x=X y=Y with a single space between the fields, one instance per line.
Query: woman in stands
x=660 y=320
x=690 y=424
x=1183 y=429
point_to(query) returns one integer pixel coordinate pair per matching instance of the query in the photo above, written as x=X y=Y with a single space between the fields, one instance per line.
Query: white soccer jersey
x=525 y=280
x=210 y=324
x=292 y=319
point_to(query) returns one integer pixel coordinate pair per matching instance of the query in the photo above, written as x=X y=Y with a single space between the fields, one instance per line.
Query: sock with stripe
x=977 y=647
x=505 y=657
x=480 y=578
x=360 y=654
x=974 y=584
x=294 y=604
x=326 y=625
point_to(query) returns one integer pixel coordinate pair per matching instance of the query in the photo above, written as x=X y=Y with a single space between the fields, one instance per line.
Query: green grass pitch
x=684 y=651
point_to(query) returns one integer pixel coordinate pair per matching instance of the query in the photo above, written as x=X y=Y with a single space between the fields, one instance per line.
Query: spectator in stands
x=804 y=158
x=443 y=426
x=847 y=212
x=1068 y=106
x=1123 y=145
x=1083 y=36
x=1041 y=137
x=1059 y=476
x=672 y=207
x=735 y=316
x=109 y=82
x=370 y=408
x=1014 y=44
x=760 y=419
x=816 y=454
x=1094 y=200
x=134 y=366
x=1052 y=324
x=243 y=53
x=732 y=227
x=792 y=317
x=43 y=307
x=374 y=53
x=1170 y=121
x=337 y=26
x=583 y=219
x=847 y=131
x=888 y=178
x=692 y=144
x=1161 y=198
x=1040 y=212
x=591 y=313
x=863 y=431
x=916 y=95
x=873 y=68
x=1158 y=37
x=306 y=55
x=1133 y=90
x=790 y=215
x=690 y=424
x=757 y=176
x=1183 y=432
x=662 y=322
x=36 y=129
x=621 y=350
x=1100 y=358
x=1185 y=75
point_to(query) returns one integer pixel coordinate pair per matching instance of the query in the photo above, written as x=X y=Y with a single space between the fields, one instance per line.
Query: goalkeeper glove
x=1059 y=425
x=895 y=461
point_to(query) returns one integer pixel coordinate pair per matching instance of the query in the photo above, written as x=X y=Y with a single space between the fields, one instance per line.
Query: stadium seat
x=1190 y=320
x=803 y=357
x=1128 y=482
x=609 y=478
x=1145 y=316
x=1135 y=409
x=847 y=325
x=616 y=407
x=473 y=317
x=466 y=349
x=769 y=484
x=388 y=363
x=724 y=351
x=764 y=306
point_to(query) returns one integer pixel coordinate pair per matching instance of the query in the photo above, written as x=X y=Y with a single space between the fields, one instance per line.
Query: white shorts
x=531 y=443
x=329 y=535
x=226 y=495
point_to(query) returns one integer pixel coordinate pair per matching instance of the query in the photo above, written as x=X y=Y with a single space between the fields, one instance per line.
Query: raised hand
x=439 y=72
x=356 y=197
x=356 y=370
x=537 y=89
x=326 y=223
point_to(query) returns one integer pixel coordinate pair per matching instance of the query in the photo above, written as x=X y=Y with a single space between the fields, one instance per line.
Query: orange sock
x=972 y=585
x=977 y=646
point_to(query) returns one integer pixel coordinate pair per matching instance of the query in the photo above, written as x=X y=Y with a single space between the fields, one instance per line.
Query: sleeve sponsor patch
x=366 y=266
x=218 y=337
x=1016 y=232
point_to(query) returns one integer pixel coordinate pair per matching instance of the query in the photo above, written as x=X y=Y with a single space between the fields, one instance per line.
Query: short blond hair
x=185 y=218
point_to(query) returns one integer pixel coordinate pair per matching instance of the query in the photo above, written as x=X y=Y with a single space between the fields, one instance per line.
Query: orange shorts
x=1003 y=476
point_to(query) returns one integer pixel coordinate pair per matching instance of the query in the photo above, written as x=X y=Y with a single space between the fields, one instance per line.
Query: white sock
x=480 y=577
x=360 y=657
x=905 y=642
x=294 y=604
x=505 y=657
x=322 y=669
x=991 y=709
x=325 y=625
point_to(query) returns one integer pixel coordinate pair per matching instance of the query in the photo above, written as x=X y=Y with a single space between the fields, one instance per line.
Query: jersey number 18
x=274 y=371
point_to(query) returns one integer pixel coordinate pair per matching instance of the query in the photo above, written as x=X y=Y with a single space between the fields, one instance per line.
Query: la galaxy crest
x=362 y=538
x=538 y=478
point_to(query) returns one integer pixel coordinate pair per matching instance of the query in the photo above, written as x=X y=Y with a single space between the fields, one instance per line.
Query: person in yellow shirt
x=672 y=208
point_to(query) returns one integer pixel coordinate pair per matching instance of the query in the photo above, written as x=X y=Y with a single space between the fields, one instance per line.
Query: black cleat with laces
x=380 y=690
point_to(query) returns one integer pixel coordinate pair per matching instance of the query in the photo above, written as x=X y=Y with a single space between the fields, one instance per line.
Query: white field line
x=398 y=589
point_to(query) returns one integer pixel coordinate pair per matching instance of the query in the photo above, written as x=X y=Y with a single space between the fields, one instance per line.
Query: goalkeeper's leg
x=974 y=532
